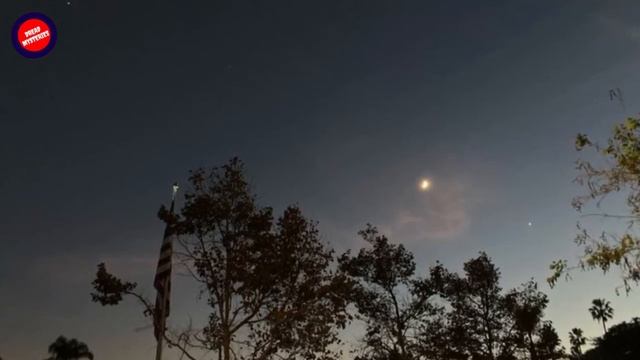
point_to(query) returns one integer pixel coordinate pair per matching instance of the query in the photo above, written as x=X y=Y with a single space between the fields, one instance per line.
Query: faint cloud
x=439 y=214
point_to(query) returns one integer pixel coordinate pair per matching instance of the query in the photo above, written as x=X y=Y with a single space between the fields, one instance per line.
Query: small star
x=68 y=2
x=530 y=224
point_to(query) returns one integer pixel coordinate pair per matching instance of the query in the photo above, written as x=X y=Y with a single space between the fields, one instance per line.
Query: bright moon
x=424 y=185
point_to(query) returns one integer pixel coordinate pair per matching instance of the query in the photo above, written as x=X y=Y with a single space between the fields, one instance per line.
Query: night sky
x=338 y=106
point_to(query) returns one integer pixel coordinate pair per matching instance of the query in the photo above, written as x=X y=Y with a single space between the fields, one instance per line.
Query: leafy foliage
x=617 y=171
x=445 y=316
x=478 y=319
x=620 y=343
x=388 y=296
x=273 y=291
x=69 y=349
x=601 y=311
x=485 y=323
x=268 y=282
x=577 y=341
x=108 y=289
x=526 y=306
x=548 y=346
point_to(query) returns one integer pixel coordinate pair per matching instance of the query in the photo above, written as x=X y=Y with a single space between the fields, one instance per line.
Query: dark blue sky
x=339 y=106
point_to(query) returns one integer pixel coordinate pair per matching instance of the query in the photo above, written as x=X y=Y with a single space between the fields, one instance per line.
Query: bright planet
x=425 y=184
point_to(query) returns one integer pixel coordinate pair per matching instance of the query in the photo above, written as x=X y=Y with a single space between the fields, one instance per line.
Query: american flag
x=162 y=280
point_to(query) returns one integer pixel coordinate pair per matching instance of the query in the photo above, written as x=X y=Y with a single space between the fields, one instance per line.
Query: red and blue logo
x=34 y=35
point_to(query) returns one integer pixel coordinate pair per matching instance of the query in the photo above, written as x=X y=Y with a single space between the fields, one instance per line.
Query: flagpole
x=165 y=290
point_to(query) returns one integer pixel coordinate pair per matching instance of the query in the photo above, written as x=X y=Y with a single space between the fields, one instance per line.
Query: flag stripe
x=163 y=278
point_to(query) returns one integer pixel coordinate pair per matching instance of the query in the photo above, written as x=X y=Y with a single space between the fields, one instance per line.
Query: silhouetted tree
x=601 y=311
x=577 y=341
x=479 y=322
x=69 y=349
x=389 y=297
x=548 y=346
x=617 y=170
x=268 y=282
x=526 y=306
x=438 y=339
x=619 y=343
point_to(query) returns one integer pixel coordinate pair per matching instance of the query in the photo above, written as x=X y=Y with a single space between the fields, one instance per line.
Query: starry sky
x=338 y=106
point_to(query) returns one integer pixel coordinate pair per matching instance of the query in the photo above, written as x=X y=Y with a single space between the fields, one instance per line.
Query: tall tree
x=268 y=283
x=479 y=319
x=389 y=297
x=439 y=339
x=526 y=306
x=619 y=343
x=69 y=349
x=548 y=346
x=482 y=322
x=577 y=341
x=614 y=170
x=601 y=311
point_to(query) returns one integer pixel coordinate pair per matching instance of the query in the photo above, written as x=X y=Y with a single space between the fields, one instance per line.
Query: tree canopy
x=601 y=311
x=69 y=349
x=484 y=322
x=275 y=290
x=577 y=341
x=614 y=171
x=268 y=282
x=443 y=315
x=389 y=297
x=620 y=343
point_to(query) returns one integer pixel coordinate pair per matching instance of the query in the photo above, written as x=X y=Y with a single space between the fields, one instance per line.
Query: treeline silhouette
x=620 y=343
x=68 y=349
x=276 y=291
